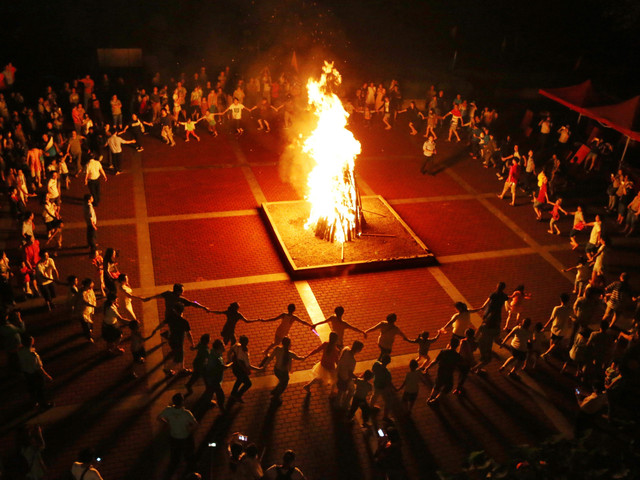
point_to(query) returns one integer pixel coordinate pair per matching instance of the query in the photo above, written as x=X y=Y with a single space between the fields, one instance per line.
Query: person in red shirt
x=555 y=216
x=88 y=84
x=543 y=196
x=512 y=182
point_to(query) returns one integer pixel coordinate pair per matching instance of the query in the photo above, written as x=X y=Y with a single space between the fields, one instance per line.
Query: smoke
x=295 y=166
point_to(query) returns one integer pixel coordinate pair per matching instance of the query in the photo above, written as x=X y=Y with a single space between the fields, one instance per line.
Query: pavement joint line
x=219 y=283
x=555 y=263
x=364 y=186
x=510 y=252
x=439 y=198
x=256 y=190
x=150 y=316
x=312 y=306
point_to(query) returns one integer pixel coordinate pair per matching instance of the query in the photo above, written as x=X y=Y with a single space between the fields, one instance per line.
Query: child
x=363 y=389
x=138 y=351
x=468 y=345
x=519 y=346
x=199 y=362
x=98 y=263
x=583 y=274
x=578 y=226
x=515 y=306
x=538 y=346
x=555 y=216
x=411 y=385
x=190 y=128
x=424 y=344
x=26 y=281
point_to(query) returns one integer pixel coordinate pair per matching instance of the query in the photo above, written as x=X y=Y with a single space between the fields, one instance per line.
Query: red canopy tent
x=623 y=117
x=576 y=97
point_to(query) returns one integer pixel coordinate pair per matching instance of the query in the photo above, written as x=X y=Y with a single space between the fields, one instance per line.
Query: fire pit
x=335 y=229
x=386 y=241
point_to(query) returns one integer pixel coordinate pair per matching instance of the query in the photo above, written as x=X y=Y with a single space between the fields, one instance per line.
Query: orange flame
x=332 y=193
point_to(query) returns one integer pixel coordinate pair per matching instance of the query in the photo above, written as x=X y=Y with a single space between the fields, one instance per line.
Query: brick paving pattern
x=231 y=258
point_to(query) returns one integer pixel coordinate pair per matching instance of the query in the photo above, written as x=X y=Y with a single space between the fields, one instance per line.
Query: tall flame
x=332 y=192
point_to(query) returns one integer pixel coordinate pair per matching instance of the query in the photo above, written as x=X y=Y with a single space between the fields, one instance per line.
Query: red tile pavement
x=449 y=228
x=402 y=179
x=209 y=151
x=477 y=279
x=377 y=141
x=261 y=146
x=274 y=189
x=197 y=191
x=413 y=294
x=483 y=180
x=194 y=250
x=525 y=218
x=74 y=258
x=116 y=196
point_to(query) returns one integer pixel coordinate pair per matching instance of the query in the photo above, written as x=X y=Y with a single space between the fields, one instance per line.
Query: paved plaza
x=189 y=214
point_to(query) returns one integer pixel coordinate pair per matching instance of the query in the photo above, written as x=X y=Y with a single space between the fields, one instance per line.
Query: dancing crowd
x=77 y=134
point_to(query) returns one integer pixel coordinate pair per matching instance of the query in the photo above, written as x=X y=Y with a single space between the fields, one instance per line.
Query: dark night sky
x=384 y=37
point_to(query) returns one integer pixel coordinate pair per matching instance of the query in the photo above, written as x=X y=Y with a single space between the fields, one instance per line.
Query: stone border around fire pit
x=387 y=242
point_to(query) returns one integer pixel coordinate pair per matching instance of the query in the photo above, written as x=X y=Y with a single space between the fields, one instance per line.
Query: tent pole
x=624 y=152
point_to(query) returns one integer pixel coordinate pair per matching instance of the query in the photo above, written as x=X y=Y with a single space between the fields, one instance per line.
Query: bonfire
x=336 y=210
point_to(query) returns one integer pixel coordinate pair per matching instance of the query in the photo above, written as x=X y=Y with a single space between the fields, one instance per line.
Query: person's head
x=392 y=317
x=519 y=288
x=367 y=375
x=236 y=101
x=244 y=340
x=205 y=339
x=286 y=343
x=178 y=288
x=109 y=255
x=559 y=201
x=111 y=299
x=564 y=298
x=72 y=280
x=413 y=365
x=461 y=306
x=234 y=307
x=339 y=311
x=470 y=333
x=582 y=260
x=291 y=308
x=424 y=335
x=501 y=286
x=87 y=456
x=134 y=325
x=251 y=451
x=122 y=278
x=178 y=400
x=454 y=343
x=218 y=346
x=44 y=255
x=288 y=459
x=385 y=359
x=87 y=284
x=526 y=323
x=333 y=338
x=624 y=277
x=357 y=346
x=27 y=341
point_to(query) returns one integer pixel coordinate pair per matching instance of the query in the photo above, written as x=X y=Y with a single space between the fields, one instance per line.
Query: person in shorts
x=411 y=385
x=520 y=336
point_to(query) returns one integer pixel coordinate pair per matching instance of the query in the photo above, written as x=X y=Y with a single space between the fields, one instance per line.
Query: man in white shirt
x=53 y=188
x=236 y=114
x=46 y=273
x=92 y=179
x=114 y=142
x=181 y=424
